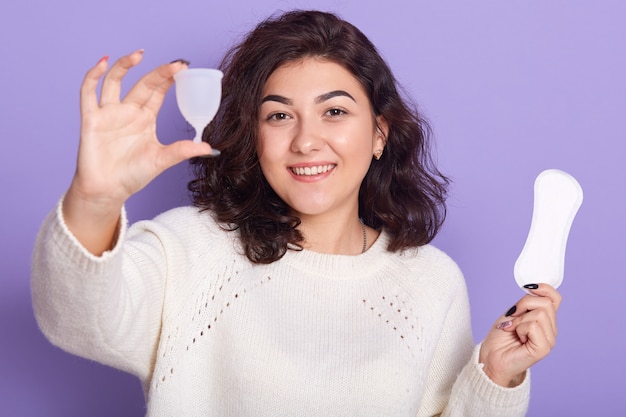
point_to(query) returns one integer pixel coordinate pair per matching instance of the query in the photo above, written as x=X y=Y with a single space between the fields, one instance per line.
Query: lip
x=311 y=171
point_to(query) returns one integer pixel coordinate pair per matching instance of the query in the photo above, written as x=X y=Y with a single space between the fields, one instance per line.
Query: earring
x=378 y=153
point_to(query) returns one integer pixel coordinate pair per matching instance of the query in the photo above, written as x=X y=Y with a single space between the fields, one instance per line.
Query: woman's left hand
x=522 y=338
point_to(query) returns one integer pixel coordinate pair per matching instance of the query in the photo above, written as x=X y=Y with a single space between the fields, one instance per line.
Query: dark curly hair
x=403 y=192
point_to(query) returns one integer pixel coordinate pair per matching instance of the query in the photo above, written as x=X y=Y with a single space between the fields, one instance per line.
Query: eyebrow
x=319 y=99
x=280 y=99
x=336 y=93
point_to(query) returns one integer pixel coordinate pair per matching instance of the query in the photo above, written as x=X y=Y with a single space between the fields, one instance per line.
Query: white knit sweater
x=211 y=334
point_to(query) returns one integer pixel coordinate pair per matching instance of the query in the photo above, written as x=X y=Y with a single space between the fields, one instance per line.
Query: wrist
x=93 y=222
x=499 y=377
x=504 y=380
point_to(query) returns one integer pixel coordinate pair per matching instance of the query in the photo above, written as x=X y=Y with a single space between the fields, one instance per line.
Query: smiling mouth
x=314 y=170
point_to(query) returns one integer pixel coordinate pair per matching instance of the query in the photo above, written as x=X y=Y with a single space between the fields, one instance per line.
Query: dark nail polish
x=214 y=153
x=511 y=311
x=531 y=286
x=182 y=61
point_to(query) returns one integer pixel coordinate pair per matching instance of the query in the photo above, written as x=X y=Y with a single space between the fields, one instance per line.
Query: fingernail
x=104 y=58
x=531 y=286
x=504 y=324
x=511 y=311
x=214 y=152
x=182 y=61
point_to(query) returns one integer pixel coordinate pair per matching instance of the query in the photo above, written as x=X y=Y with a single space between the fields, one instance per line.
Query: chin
x=307 y=208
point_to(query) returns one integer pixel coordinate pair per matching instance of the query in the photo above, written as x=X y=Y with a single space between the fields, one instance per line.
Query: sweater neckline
x=341 y=267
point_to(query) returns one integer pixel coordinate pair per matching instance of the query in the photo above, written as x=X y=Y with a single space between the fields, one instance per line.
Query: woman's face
x=317 y=134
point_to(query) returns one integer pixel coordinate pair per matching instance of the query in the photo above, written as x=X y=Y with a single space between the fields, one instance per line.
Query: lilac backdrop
x=511 y=88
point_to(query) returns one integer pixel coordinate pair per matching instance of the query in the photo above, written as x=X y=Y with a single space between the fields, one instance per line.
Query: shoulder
x=429 y=266
x=183 y=214
x=187 y=226
x=430 y=258
x=183 y=219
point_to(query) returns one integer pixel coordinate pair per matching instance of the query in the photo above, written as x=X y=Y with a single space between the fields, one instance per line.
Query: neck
x=342 y=236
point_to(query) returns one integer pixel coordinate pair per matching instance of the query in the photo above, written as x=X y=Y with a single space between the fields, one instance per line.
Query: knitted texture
x=211 y=334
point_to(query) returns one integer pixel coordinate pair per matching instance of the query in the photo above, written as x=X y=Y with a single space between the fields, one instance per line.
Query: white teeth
x=320 y=169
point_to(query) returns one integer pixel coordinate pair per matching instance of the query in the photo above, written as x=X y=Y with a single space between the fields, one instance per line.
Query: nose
x=308 y=137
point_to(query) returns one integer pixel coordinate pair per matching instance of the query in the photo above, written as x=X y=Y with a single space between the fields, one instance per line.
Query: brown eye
x=336 y=112
x=278 y=116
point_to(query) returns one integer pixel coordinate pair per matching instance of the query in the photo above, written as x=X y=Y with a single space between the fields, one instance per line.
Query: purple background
x=511 y=87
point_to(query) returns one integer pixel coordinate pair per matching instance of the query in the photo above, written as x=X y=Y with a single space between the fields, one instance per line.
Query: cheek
x=260 y=142
x=263 y=148
x=264 y=163
x=272 y=147
x=261 y=152
x=356 y=142
x=267 y=158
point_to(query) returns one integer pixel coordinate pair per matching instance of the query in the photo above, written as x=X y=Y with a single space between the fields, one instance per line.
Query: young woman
x=302 y=282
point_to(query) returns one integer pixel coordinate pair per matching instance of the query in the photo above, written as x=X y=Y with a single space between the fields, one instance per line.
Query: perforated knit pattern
x=210 y=334
x=400 y=317
x=208 y=308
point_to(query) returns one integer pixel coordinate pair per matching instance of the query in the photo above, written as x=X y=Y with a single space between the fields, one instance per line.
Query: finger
x=546 y=290
x=544 y=296
x=542 y=318
x=539 y=305
x=150 y=90
x=112 y=83
x=536 y=338
x=531 y=302
x=156 y=99
x=522 y=327
x=181 y=150
x=88 y=96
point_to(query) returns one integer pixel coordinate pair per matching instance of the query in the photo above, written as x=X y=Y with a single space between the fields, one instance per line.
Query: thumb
x=181 y=150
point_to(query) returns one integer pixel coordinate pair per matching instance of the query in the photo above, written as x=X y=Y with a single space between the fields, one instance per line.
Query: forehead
x=314 y=75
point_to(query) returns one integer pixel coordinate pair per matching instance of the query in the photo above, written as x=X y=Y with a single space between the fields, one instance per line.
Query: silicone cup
x=198 y=94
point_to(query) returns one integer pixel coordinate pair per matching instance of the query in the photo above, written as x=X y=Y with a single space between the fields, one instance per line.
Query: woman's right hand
x=119 y=152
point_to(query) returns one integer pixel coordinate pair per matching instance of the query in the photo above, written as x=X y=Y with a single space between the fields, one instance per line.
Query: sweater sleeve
x=474 y=394
x=456 y=385
x=106 y=308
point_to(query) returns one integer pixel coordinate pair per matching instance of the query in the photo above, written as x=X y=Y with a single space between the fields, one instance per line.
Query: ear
x=382 y=130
